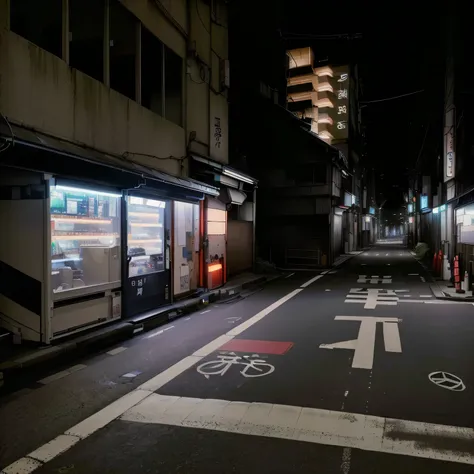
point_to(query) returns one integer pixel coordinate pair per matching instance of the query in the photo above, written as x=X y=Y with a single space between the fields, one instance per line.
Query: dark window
x=173 y=87
x=309 y=173
x=86 y=47
x=39 y=22
x=152 y=72
x=123 y=34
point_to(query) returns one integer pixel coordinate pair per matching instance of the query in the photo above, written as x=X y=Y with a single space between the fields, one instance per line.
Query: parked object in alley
x=457 y=276
x=421 y=250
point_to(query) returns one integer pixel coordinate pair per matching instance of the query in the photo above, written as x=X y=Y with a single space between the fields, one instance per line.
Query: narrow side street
x=354 y=370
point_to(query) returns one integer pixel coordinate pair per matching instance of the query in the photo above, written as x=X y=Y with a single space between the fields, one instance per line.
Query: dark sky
x=399 y=52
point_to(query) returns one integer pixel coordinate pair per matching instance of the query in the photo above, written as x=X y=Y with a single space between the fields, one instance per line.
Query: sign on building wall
x=341 y=81
x=449 y=155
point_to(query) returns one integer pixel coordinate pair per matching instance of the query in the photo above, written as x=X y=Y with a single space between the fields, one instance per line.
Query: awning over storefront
x=28 y=149
x=226 y=170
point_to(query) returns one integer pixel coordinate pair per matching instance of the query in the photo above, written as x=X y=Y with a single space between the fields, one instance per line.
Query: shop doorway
x=147 y=269
x=186 y=247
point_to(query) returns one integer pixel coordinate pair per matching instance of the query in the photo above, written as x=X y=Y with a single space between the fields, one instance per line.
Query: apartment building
x=326 y=97
x=105 y=104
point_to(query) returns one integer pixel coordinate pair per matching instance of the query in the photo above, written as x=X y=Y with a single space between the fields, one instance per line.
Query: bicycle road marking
x=111 y=412
x=253 y=367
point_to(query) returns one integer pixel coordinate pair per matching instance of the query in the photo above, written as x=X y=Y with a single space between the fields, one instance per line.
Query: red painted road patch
x=257 y=347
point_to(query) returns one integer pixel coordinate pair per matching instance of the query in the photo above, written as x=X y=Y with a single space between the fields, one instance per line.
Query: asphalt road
x=316 y=373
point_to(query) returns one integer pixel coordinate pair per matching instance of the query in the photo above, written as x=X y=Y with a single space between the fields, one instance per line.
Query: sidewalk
x=15 y=358
x=443 y=290
x=344 y=257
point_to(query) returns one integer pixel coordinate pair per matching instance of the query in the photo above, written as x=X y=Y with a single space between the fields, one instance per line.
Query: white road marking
x=63 y=373
x=377 y=254
x=290 y=275
x=407 y=296
x=327 y=289
x=114 y=410
x=204 y=312
x=401 y=291
x=316 y=278
x=386 y=254
x=422 y=279
x=413 y=301
x=116 y=351
x=250 y=322
x=312 y=425
x=426 y=296
x=154 y=334
x=391 y=337
x=346 y=460
x=55 y=447
x=413 y=274
x=364 y=345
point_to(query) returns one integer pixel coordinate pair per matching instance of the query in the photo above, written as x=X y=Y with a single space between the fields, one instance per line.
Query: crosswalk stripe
x=312 y=425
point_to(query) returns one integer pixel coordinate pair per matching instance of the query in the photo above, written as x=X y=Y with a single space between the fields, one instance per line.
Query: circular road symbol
x=447 y=381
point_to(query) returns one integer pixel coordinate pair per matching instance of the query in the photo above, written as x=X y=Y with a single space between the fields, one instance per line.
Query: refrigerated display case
x=85 y=256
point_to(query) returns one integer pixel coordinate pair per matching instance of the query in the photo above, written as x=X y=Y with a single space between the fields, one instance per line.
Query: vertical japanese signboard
x=449 y=158
x=340 y=127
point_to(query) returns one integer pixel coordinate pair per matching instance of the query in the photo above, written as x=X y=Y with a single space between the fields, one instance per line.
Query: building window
x=152 y=72
x=40 y=22
x=123 y=49
x=173 y=87
x=86 y=47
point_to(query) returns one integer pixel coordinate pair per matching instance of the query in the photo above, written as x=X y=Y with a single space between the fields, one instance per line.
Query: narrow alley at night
x=235 y=237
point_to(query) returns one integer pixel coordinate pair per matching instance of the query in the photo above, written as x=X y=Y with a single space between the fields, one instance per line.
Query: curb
x=120 y=331
x=440 y=295
x=102 y=338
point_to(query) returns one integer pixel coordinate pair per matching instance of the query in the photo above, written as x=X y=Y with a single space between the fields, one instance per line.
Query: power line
x=391 y=98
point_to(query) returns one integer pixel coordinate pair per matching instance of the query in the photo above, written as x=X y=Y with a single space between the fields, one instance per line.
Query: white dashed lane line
x=62 y=374
x=116 y=351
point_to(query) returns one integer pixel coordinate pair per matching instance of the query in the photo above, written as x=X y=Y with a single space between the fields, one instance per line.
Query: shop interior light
x=238 y=176
x=85 y=190
x=80 y=220
x=214 y=267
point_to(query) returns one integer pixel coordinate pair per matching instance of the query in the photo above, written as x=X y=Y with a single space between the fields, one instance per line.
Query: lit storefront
x=80 y=252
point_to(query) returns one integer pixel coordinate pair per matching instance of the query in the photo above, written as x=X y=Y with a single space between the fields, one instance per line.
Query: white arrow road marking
x=364 y=345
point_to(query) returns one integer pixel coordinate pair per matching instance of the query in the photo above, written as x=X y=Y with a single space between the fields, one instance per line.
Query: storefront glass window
x=186 y=246
x=145 y=236
x=85 y=238
x=216 y=222
x=465 y=222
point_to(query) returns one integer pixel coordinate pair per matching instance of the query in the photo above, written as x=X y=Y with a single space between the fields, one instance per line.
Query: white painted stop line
x=312 y=425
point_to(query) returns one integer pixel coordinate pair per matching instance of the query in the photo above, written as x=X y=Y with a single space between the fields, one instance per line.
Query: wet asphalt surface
x=434 y=336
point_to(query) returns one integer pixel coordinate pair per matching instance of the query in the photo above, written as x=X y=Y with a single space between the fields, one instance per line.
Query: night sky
x=399 y=51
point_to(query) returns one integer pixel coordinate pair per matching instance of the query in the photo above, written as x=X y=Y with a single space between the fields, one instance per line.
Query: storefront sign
x=340 y=128
x=424 y=202
x=217 y=132
x=450 y=156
